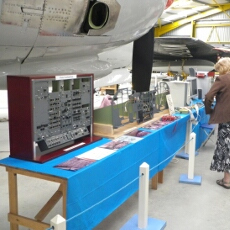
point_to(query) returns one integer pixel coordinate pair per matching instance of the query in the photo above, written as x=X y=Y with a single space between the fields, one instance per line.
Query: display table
x=95 y=191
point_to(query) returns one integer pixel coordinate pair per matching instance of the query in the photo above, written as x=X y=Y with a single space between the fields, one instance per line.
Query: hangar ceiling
x=181 y=9
x=182 y=12
x=213 y=2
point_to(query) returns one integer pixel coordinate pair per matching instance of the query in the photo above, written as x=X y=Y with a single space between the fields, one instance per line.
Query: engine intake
x=98 y=15
x=101 y=17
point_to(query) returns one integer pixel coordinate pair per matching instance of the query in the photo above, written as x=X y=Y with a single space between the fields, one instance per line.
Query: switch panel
x=48 y=114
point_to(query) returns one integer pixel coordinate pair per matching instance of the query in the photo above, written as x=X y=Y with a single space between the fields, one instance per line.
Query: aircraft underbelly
x=20 y=21
x=64 y=18
x=47 y=36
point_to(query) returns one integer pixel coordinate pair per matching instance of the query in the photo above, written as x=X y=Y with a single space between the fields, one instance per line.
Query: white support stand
x=58 y=223
x=141 y=221
x=185 y=154
x=190 y=178
x=143 y=196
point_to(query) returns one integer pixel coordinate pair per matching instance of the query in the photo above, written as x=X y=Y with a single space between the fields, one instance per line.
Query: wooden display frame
x=107 y=130
x=37 y=223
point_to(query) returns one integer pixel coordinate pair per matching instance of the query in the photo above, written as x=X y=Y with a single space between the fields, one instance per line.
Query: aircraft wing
x=224 y=50
x=175 y=48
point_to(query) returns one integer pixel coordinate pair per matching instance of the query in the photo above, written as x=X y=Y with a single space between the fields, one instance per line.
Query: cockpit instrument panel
x=48 y=114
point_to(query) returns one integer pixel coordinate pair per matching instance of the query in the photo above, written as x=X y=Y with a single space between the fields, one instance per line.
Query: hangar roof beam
x=174 y=25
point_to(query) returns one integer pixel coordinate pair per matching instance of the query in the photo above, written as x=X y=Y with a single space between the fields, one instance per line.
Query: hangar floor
x=182 y=206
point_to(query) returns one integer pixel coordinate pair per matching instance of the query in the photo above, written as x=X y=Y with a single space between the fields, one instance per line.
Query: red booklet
x=75 y=164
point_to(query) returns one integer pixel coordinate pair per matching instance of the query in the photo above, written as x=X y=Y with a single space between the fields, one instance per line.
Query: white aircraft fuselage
x=62 y=36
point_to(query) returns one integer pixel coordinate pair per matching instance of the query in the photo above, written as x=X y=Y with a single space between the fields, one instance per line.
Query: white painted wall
x=3 y=104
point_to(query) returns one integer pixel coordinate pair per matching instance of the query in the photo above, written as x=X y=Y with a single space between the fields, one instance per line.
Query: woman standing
x=220 y=114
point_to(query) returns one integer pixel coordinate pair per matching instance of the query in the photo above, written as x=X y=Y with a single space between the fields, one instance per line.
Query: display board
x=49 y=115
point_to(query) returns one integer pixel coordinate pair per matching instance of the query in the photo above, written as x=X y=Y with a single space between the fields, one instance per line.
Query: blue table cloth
x=96 y=190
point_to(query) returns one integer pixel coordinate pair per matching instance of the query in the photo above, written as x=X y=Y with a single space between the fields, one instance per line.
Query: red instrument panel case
x=49 y=115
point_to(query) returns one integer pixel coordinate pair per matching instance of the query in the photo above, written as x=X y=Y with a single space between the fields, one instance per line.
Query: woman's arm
x=209 y=97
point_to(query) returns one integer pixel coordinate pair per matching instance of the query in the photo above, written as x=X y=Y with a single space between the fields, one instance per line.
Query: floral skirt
x=221 y=158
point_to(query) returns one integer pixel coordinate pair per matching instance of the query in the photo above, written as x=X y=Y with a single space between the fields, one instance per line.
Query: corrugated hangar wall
x=183 y=30
x=214 y=29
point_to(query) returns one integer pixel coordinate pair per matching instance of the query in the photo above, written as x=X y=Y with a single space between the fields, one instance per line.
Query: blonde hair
x=223 y=66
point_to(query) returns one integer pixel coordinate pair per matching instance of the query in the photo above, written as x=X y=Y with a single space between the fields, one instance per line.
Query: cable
x=195 y=126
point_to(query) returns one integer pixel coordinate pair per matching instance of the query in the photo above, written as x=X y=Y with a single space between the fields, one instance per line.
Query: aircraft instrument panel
x=49 y=115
